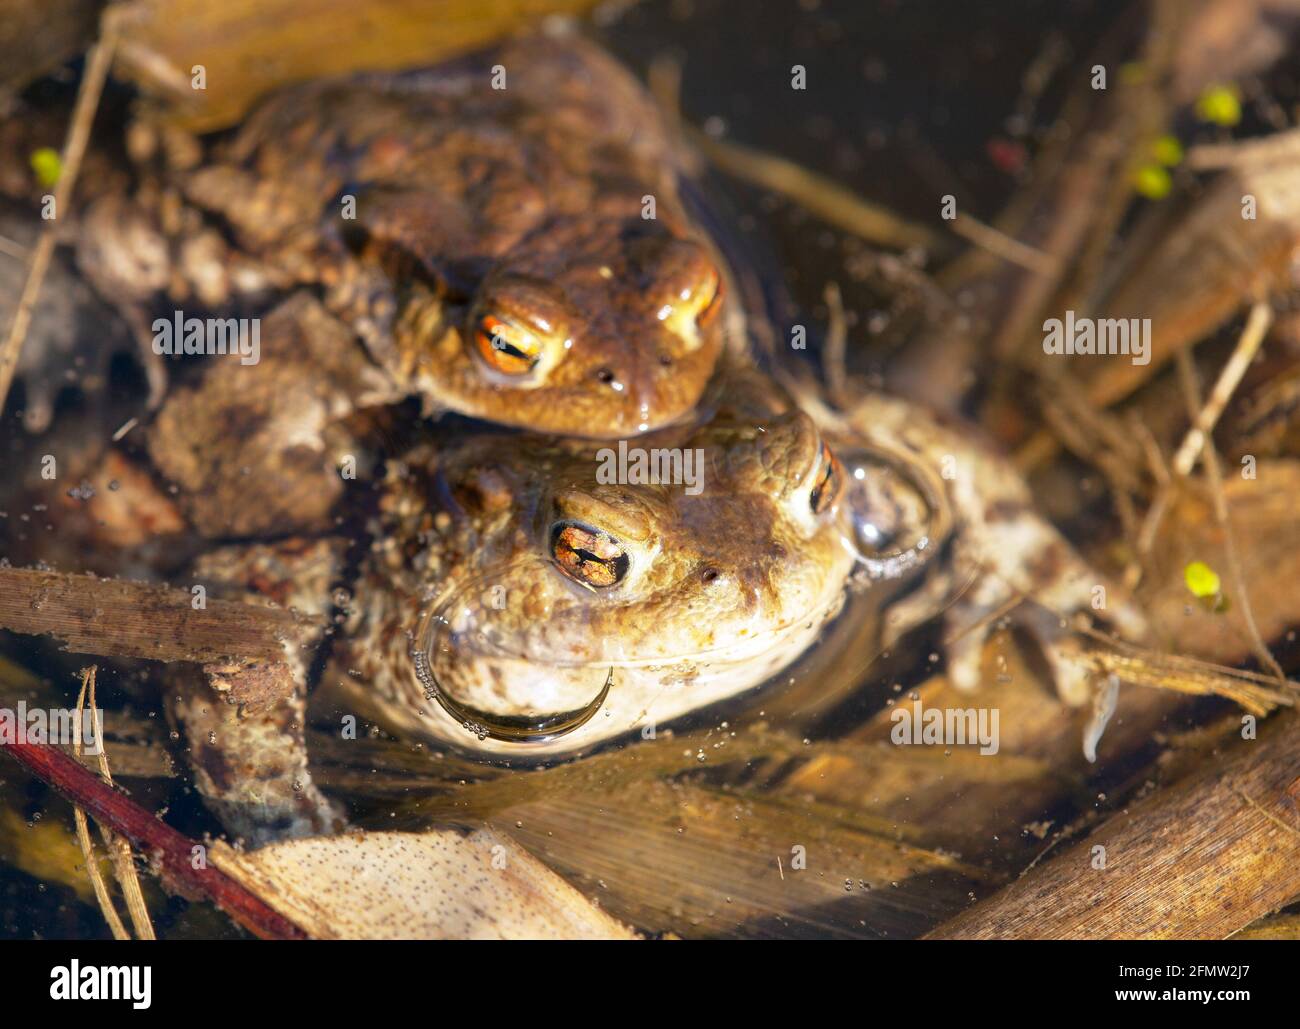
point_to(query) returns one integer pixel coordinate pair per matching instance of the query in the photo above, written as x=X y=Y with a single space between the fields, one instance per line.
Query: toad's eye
x=708 y=297
x=828 y=481
x=693 y=307
x=588 y=556
x=897 y=510
x=507 y=346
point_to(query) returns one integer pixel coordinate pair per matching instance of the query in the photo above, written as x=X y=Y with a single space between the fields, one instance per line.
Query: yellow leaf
x=1152 y=181
x=47 y=165
x=1220 y=105
x=1201 y=579
x=1167 y=151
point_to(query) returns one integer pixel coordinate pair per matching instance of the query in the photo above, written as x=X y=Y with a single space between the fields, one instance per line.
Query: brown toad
x=506 y=232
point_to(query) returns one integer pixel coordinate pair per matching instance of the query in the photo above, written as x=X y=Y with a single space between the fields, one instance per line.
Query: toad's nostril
x=709 y=575
x=606 y=376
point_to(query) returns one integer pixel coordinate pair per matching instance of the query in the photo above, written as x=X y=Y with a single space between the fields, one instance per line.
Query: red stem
x=112 y=808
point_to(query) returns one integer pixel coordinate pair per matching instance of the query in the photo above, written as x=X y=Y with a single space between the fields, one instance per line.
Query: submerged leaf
x=47 y=165
x=1201 y=579
x=1219 y=105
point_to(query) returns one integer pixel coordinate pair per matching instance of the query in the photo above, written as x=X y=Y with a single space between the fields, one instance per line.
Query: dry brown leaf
x=249 y=47
x=441 y=884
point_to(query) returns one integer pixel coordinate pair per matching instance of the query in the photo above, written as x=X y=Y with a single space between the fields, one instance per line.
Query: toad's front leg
x=244 y=721
x=249 y=454
x=990 y=554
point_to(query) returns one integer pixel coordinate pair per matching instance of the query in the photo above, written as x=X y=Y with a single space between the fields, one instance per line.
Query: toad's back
x=506 y=230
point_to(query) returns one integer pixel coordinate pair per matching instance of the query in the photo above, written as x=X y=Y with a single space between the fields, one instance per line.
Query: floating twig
x=1261 y=317
x=74 y=147
x=171 y=851
x=119 y=849
x=83 y=833
x=1214 y=474
x=1010 y=249
x=1198 y=831
x=120 y=618
x=1141 y=666
x=837 y=335
x=827 y=199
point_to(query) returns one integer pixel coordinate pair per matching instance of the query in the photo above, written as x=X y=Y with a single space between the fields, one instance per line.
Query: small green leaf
x=1220 y=105
x=47 y=165
x=1167 y=151
x=1152 y=181
x=1201 y=579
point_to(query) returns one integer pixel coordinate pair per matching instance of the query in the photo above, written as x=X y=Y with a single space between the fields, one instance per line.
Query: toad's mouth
x=453 y=645
x=523 y=728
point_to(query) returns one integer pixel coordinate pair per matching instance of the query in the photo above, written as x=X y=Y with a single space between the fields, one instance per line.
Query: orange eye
x=827 y=484
x=506 y=346
x=588 y=556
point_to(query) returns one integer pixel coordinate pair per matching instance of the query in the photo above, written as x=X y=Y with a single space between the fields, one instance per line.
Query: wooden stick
x=837 y=337
x=1006 y=247
x=120 y=618
x=1201 y=859
x=1214 y=475
x=826 y=199
x=74 y=147
x=172 y=850
x=1261 y=317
